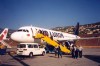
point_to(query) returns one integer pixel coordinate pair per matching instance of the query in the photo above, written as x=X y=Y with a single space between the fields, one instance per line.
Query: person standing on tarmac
x=76 y=52
x=55 y=50
x=80 y=51
x=59 y=51
x=73 y=52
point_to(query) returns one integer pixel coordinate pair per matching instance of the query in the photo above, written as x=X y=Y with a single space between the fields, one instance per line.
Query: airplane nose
x=14 y=36
x=19 y=36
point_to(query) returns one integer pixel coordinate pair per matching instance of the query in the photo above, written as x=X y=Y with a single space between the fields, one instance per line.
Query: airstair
x=52 y=42
x=5 y=44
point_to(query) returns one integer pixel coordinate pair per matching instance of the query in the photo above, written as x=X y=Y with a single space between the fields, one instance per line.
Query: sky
x=48 y=13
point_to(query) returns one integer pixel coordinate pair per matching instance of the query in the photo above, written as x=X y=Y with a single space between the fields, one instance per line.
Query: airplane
x=26 y=34
x=3 y=35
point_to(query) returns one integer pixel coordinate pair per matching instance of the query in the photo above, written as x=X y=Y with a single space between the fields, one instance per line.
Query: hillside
x=87 y=30
x=93 y=28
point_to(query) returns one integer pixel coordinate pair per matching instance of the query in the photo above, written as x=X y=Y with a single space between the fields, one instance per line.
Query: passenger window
x=30 y=46
x=35 y=46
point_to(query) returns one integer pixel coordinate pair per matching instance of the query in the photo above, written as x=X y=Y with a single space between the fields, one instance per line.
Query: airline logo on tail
x=3 y=35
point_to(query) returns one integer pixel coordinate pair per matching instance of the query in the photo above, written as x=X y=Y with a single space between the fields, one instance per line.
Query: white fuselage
x=27 y=33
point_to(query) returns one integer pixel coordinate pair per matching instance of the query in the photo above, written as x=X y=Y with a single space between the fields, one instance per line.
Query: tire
x=31 y=55
x=43 y=53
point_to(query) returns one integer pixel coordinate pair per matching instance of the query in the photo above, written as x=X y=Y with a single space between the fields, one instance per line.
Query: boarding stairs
x=5 y=44
x=52 y=42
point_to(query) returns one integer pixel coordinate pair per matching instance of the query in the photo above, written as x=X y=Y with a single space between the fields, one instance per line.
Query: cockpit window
x=22 y=30
x=27 y=31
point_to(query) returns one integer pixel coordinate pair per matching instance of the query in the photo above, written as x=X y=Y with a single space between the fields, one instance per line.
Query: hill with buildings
x=93 y=28
x=87 y=30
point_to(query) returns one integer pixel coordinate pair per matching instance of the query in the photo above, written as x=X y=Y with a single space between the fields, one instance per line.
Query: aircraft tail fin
x=4 y=34
x=77 y=29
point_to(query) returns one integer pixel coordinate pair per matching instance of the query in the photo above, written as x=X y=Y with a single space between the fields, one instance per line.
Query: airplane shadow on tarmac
x=19 y=59
x=95 y=58
x=7 y=65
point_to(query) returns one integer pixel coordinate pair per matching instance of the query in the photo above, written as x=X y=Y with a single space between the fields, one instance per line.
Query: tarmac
x=91 y=57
